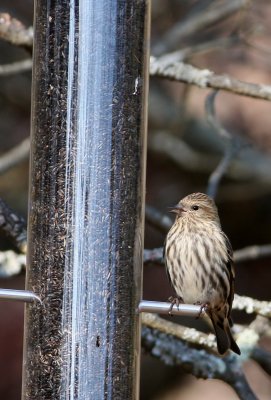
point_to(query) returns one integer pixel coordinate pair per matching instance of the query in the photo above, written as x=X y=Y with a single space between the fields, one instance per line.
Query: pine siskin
x=198 y=258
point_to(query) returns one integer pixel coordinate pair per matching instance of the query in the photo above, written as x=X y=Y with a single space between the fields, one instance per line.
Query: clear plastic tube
x=86 y=199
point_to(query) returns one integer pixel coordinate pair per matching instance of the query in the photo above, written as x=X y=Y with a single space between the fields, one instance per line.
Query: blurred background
x=238 y=43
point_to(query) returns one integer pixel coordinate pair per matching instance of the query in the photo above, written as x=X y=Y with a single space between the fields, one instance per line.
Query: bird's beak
x=178 y=209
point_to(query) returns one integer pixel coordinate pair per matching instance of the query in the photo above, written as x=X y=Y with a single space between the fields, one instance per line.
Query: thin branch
x=217 y=175
x=181 y=153
x=247 y=254
x=247 y=337
x=261 y=325
x=153 y=256
x=251 y=253
x=210 y=45
x=211 y=116
x=167 y=144
x=13 y=225
x=14 y=156
x=157 y=219
x=250 y=305
x=231 y=150
x=11 y=263
x=190 y=335
x=14 y=32
x=266 y=51
x=173 y=351
x=16 y=67
x=205 y=78
x=196 y=23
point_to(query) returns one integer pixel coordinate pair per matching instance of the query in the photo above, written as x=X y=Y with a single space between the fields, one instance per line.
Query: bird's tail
x=224 y=338
x=233 y=345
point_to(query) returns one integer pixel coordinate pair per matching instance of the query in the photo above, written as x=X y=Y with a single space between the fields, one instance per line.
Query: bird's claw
x=174 y=300
x=203 y=308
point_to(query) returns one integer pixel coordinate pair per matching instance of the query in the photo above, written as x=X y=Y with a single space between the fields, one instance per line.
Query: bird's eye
x=195 y=208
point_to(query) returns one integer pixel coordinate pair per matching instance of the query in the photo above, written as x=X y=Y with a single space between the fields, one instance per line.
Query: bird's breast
x=194 y=262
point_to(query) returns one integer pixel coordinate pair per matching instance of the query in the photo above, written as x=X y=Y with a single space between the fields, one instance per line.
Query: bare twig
x=161 y=345
x=196 y=23
x=252 y=253
x=154 y=255
x=14 y=156
x=16 y=67
x=250 y=305
x=261 y=325
x=162 y=142
x=11 y=263
x=247 y=337
x=232 y=147
x=182 y=154
x=205 y=78
x=219 y=172
x=14 y=32
x=13 y=225
x=211 y=45
x=211 y=116
x=190 y=335
x=261 y=49
x=157 y=219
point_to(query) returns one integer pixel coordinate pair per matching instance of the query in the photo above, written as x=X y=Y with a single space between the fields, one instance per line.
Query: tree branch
x=251 y=253
x=196 y=23
x=11 y=263
x=16 y=67
x=261 y=325
x=210 y=45
x=13 y=225
x=167 y=144
x=250 y=305
x=205 y=78
x=14 y=32
x=177 y=150
x=153 y=256
x=231 y=150
x=200 y=363
x=157 y=219
x=15 y=156
x=190 y=335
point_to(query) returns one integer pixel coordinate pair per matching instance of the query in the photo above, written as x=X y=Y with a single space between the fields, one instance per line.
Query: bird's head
x=196 y=207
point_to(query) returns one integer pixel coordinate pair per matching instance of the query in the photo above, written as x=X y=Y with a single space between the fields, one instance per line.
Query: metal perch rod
x=18 y=295
x=187 y=310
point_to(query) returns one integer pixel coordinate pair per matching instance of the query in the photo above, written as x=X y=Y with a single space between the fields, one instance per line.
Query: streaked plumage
x=198 y=258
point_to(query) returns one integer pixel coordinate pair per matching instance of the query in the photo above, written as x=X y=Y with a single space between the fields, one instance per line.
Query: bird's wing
x=231 y=272
x=165 y=262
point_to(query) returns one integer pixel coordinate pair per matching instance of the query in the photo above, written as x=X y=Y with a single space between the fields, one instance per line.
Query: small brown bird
x=198 y=258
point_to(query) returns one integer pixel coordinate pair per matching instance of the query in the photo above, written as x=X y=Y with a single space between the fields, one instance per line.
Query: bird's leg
x=203 y=308
x=174 y=300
